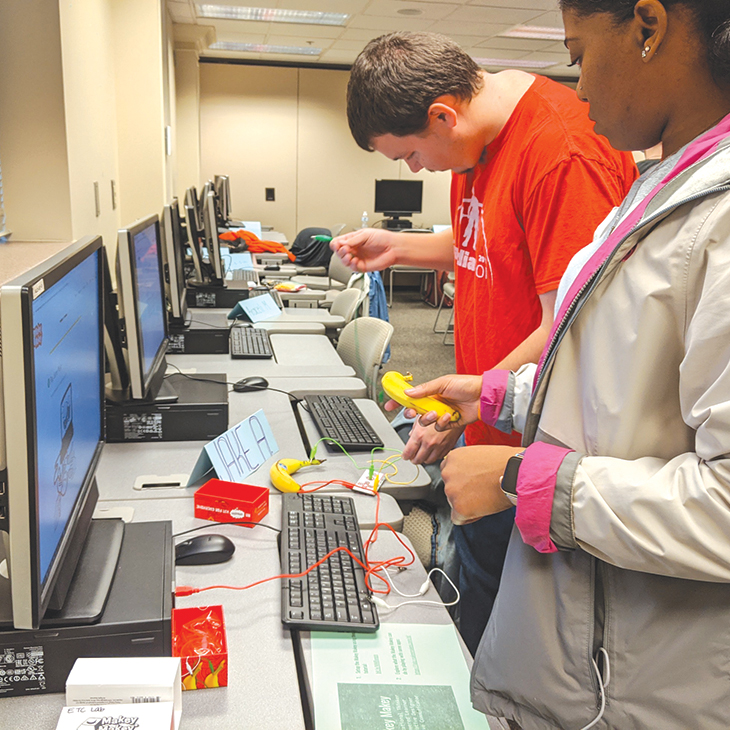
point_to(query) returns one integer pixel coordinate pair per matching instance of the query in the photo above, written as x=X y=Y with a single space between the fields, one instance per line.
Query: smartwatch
x=509 y=478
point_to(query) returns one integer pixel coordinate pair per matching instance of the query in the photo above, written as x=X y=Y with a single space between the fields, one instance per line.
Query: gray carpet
x=415 y=348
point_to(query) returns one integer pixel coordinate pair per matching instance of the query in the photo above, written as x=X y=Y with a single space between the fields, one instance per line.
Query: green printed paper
x=404 y=677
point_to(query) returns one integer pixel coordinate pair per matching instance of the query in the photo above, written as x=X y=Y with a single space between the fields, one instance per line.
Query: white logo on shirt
x=471 y=210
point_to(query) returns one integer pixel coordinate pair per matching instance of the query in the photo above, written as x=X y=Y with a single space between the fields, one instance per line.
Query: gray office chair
x=449 y=290
x=337 y=276
x=346 y=303
x=362 y=345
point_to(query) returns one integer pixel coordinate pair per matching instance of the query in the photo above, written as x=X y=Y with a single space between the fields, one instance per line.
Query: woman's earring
x=645 y=51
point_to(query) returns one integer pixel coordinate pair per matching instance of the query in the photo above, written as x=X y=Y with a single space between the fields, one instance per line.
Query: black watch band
x=509 y=478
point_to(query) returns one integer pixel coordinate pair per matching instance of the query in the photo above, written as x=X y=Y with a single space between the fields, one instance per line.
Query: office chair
x=312 y=257
x=362 y=345
x=346 y=303
x=449 y=290
x=337 y=277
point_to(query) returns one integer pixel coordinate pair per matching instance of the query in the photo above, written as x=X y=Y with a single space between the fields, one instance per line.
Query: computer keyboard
x=332 y=597
x=250 y=342
x=339 y=418
x=245 y=275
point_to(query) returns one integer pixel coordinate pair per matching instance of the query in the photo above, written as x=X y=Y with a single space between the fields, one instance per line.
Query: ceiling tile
x=552 y=20
x=355 y=46
x=479 y=14
x=540 y=5
x=306 y=31
x=274 y=39
x=485 y=30
x=429 y=11
x=359 y=34
x=523 y=44
x=386 y=25
x=352 y=7
x=343 y=57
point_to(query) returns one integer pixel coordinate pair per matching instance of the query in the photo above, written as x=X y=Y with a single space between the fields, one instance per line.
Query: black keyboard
x=333 y=597
x=339 y=418
x=250 y=342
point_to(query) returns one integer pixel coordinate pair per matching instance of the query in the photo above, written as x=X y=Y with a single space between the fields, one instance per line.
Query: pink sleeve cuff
x=535 y=489
x=494 y=388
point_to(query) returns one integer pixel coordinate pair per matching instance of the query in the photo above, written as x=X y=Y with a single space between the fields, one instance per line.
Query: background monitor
x=173 y=256
x=141 y=303
x=396 y=198
x=210 y=227
x=53 y=363
x=194 y=236
x=223 y=198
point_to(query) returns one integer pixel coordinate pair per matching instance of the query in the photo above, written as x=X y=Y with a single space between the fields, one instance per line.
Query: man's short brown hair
x=398 y=76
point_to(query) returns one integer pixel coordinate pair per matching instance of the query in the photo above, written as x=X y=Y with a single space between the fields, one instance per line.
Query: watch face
x=509 y=479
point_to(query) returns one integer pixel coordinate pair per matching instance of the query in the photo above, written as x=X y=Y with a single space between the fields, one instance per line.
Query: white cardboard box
x=126 y=680
x=144 y=716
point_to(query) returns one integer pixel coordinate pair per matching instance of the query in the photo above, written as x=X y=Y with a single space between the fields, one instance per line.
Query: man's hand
x=427 y=445
x=461 y=392
x=472 y=477
x=367 y=249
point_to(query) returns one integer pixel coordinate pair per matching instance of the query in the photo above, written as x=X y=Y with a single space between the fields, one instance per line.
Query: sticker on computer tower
x=22 y=670
x=142 y=426
x=176 y=344
x=204 y=299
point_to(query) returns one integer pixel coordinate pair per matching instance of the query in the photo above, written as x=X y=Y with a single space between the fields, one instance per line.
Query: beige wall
x=138 y=69
x=91 y=124
x=187 y=120
x=287 y=128
x=32 y=121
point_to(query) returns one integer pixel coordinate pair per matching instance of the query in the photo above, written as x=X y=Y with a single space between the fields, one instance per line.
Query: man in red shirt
x=531 y=182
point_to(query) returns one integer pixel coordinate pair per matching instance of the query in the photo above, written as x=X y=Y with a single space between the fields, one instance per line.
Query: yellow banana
x=280 y=473
x=394 y=384
x=212 y=679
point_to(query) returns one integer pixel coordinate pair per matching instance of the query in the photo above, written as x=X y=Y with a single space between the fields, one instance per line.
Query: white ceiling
x=474 y=24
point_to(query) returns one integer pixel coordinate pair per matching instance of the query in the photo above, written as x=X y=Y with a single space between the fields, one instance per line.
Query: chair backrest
x=362 y=345
x=338 y=271
x=346 y=303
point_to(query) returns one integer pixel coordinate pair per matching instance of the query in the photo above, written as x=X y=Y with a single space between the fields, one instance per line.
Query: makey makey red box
x=231 y=502
x=199 y=639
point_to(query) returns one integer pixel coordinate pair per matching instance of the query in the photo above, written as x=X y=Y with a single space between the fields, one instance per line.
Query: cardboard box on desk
x=199 y=639
x=231 y=501
x=125 y=680
x=141 y=716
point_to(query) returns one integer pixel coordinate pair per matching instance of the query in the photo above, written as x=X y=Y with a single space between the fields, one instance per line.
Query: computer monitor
x=194 y=236
x=223 y=198
x=141 y=303
x=397 y=198
x=207 y=188
x=210 y=228
x=53 y=389
x=173 y=256
x=192 y=199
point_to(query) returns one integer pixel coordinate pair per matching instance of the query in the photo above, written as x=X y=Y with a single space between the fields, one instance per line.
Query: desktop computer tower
x=135 y=622
x=216 y=296
x=200 y=337
x=199 y=414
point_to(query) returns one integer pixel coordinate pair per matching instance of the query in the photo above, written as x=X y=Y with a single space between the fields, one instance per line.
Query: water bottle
x=364 y=220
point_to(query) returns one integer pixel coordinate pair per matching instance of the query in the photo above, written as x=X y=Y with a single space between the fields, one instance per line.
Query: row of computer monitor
x=62 y=327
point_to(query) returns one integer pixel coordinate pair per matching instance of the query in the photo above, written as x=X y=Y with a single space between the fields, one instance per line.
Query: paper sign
x=404 y=677
x=238 y=452
x=236 y=261
x=256 y=309
x=252 y=226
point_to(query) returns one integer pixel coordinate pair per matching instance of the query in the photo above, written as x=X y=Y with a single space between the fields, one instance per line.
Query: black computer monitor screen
x=52 y=328
x=210 y=226
x=191 y=198
x=223 y=198
x=174 y=262
x=207 y=188
x=142 y=304
x=191 y=222
x=398 y=197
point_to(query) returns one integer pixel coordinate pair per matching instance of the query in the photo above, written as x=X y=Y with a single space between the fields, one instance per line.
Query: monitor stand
x=397 y=224
x=91 y=583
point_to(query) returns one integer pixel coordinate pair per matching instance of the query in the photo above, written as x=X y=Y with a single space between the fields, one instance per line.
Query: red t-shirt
x=545 y=184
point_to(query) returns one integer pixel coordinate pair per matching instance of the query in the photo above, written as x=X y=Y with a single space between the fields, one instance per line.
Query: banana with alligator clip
x=394 y=384
x=280 y=473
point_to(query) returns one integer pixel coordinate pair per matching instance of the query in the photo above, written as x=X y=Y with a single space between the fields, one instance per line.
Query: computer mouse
x=204 y=550
x=248 y=385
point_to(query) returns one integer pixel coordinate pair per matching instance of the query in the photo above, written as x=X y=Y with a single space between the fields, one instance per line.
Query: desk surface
x=295 y=356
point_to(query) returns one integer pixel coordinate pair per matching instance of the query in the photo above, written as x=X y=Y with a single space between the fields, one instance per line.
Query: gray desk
x=217 y=318
x=418 y=482
x=295 y=356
